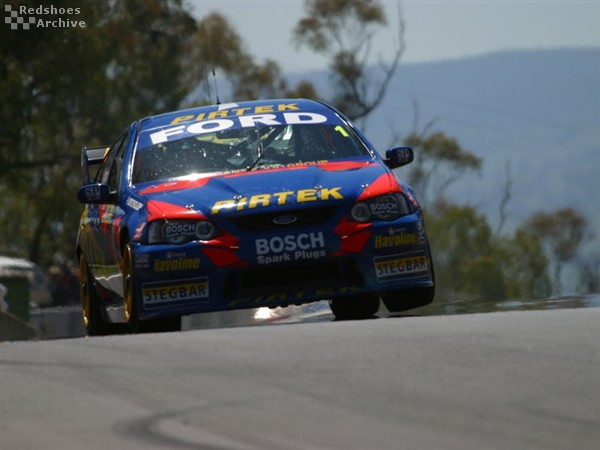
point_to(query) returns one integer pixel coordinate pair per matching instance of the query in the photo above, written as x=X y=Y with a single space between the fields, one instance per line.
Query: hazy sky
x=435 y=30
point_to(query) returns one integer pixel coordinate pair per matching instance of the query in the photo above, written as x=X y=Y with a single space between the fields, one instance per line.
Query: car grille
x=265 y=222
x=298 y=277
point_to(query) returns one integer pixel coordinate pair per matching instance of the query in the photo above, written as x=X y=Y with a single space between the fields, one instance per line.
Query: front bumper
x=279 y=269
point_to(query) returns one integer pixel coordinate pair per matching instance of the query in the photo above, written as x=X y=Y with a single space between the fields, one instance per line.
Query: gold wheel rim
x=127 y=284
x=84 y=291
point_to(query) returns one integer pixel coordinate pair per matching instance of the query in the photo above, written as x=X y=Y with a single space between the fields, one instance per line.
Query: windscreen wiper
x=261 y=152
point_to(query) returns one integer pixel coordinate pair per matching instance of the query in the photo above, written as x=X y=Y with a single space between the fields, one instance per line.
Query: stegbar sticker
x=175 y=291
x=396 y=266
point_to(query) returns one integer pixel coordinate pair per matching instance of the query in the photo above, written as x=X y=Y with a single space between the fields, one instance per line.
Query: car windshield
x=246 y=149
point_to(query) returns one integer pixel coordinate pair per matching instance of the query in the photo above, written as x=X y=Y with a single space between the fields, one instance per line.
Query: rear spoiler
x=91 y=156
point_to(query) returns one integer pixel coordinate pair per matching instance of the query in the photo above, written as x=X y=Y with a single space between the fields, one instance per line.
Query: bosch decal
x=290 y=248
x=142 y=261
x=384 y=208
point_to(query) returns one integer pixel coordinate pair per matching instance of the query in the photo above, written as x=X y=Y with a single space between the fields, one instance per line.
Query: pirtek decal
x=279 y=198
x=233 y=110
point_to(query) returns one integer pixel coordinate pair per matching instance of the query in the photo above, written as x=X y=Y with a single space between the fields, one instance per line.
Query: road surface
x=519 y=380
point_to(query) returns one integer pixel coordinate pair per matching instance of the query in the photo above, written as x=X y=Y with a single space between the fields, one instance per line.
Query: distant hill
x=537 y=110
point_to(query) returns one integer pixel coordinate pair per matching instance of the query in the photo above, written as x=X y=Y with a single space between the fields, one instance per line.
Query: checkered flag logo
x=14 y=20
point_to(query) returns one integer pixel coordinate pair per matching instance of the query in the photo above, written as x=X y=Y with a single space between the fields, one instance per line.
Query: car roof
x=224 y=110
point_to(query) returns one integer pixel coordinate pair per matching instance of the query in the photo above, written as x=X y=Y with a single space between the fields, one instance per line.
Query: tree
x=343 y=30
x=525 y=266
x=439 y=162
x=562 y=231
x=218 y=46
x=67 y=86
x=63 y=87
x=474 y=263
x=466 y=255
x=589 y=270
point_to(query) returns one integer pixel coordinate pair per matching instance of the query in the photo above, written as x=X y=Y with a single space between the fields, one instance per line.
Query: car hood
x=285 y=188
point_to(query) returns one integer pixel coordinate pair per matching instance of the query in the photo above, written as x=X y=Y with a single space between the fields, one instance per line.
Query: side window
x=116 y=166
x=111 y=167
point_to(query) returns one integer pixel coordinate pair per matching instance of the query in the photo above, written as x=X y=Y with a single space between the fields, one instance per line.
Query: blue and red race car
x=245 y=205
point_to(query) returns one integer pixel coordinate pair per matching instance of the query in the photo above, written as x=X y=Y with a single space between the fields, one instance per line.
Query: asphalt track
x=513 y=380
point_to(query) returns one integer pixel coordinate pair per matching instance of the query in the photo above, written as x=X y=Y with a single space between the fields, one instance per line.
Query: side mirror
x=398 y=157
x=96 y=193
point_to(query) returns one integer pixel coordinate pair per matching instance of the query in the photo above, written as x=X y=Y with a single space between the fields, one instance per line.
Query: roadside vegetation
x=65 y=87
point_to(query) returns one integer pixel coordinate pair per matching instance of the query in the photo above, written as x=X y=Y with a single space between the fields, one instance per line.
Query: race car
x=254 y=204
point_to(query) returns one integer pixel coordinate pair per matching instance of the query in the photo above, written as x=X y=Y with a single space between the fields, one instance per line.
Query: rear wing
x=91 y=156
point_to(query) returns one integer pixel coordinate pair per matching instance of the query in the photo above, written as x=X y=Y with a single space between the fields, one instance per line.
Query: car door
x=105 y=262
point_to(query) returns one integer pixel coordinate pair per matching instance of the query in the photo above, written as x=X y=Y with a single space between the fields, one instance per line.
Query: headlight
x=386 y=207
x=180 y=231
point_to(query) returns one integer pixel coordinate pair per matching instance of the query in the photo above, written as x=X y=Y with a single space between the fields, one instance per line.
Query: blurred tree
x=343 y=30
x=218 y=46
x=466 y=255
x=439 y=162
x=563 y=232
x=472 y=261
x=525 y=265
x=67 y=86
x=64 y=87
x=589 y=270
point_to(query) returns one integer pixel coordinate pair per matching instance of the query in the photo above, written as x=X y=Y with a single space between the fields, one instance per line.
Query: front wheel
x=94 y=318
x=404 y=299
x=136 y=325
x=355 y=307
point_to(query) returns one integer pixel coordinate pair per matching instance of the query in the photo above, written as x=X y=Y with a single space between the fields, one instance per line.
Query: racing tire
x=135 y=324
x=355 y=307
x=94 y=317
x=404 y=299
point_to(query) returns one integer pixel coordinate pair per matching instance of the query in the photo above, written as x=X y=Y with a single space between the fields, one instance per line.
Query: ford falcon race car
x=246 y=205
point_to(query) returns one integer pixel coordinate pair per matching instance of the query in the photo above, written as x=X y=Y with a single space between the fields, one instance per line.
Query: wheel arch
x=124 y=239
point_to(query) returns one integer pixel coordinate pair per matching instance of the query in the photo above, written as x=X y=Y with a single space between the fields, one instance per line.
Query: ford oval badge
x=284 y=220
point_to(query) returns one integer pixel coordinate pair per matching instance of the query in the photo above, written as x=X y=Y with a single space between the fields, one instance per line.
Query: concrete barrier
x=13 y=328
x=57 y=322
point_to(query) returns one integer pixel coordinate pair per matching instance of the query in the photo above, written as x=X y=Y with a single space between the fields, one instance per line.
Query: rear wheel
x=92 y=312
x=355 y=307
x=136 y=325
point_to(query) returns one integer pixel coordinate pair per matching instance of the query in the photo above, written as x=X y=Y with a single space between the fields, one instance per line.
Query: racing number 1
x=340 y=129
